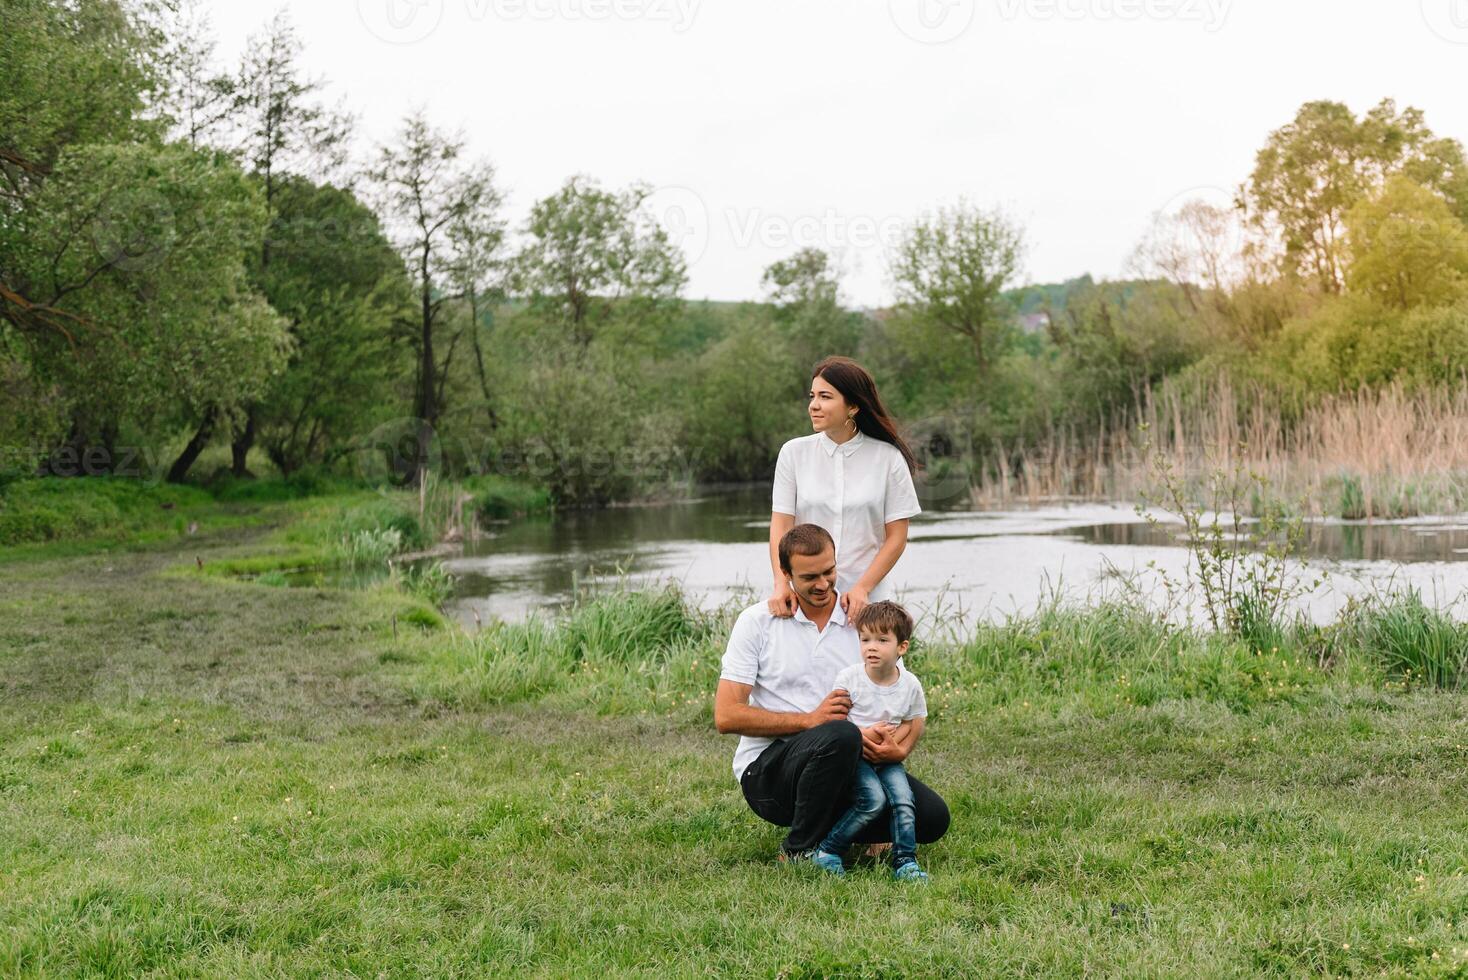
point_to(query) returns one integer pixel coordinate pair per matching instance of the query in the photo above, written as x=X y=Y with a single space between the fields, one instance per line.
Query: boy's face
x=881 y=648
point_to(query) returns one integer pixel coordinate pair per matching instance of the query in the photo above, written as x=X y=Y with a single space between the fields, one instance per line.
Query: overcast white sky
x=770 y=124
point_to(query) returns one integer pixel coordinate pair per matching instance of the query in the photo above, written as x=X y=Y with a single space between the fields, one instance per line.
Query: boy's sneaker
x=909 y=871
x=827 y=861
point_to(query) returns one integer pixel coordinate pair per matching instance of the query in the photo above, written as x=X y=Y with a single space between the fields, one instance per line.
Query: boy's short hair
x=804 y=539
x=886 y=617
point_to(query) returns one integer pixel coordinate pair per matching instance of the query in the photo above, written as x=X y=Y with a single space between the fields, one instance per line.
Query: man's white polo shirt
x=791 y=664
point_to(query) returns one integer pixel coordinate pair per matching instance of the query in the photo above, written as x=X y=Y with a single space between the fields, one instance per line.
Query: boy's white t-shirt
x=874 y=704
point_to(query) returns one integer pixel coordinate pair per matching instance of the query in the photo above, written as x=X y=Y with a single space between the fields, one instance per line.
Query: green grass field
x=206 y=776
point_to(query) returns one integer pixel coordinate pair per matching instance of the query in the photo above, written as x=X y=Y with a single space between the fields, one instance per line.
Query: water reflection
x=983 y=564
x=1355 y=541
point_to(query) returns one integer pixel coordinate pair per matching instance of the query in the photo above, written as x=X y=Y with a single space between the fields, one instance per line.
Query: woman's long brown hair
x=872 y=418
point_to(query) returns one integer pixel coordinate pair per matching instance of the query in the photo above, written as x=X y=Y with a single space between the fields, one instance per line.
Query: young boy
x=882 y=694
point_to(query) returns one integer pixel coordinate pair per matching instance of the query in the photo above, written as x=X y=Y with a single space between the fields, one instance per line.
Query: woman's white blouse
x=852 y=490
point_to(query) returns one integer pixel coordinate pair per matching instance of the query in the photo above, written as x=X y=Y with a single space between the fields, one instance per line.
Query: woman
x=853 y=477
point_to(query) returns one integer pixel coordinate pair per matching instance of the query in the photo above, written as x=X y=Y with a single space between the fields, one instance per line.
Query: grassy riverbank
x=203 y=775
x=79 y=515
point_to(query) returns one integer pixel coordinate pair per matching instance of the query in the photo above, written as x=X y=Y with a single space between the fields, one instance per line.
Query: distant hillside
x=1035 y=299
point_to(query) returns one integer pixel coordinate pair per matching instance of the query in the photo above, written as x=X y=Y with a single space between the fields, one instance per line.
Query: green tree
x=1312 y=171
x=952 y=268
x=1116 y=339
x=338 y=281
x=279 y=128
x=748 y=403
x=1407 y=249
x=806 y=292
x=195 y=99
x=476 y=271
x=106 y=55
x=594 y=260
x=584 y=422
x=427 y=190
x=144 y=250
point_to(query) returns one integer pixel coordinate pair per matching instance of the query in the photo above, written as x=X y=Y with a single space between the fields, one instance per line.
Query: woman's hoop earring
x=851 y=421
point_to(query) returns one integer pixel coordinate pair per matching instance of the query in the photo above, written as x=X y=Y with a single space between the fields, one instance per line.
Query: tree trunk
x=425 y=403
x=494 y=421
x=205 y=432
x=240 y=448
x=65 y=459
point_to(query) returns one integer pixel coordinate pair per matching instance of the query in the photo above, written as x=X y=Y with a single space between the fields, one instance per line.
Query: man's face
x=813 y=577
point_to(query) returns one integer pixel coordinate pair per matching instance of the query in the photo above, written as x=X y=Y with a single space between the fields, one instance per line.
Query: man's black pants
x=804 y=782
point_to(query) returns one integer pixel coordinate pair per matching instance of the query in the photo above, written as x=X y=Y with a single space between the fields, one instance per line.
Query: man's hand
x=879 y=747
x=835 y=708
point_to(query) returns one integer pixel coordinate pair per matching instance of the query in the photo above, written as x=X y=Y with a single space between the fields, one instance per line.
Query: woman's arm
x=782 y=600
x=893 y=545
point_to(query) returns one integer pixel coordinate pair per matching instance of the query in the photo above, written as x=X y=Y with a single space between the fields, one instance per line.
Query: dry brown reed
x=1374 y=454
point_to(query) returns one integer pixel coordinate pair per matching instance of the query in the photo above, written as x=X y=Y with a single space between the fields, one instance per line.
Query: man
x=797 y=753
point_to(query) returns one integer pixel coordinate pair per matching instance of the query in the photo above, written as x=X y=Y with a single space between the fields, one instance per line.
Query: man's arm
x=734 y=715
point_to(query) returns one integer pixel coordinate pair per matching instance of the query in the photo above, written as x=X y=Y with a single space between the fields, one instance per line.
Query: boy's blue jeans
x=876 y=787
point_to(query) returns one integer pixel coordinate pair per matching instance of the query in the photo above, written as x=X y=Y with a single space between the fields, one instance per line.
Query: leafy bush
x=499 y=498
x=298 y=486
x=367 y=548
x=433 y=583
x=384 y=514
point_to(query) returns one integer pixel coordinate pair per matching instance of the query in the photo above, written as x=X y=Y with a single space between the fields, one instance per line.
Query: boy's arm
x=908 y=733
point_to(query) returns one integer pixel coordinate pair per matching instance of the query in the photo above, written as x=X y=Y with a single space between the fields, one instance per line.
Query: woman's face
x=828 y=410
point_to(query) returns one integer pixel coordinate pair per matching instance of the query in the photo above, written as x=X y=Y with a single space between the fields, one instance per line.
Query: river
x=960 y=565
